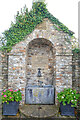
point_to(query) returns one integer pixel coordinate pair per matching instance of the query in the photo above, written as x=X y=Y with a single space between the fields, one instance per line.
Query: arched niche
x=40 y=54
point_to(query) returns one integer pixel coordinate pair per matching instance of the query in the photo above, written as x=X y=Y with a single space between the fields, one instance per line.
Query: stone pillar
x=17 y=73
x=63 y=73
x=76 y=71
x=4 y=70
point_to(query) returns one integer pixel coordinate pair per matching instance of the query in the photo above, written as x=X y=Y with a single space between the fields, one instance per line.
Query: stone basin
x=39 y=94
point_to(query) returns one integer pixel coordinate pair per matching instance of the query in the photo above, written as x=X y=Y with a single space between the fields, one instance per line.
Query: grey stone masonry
x=4 y=62
x=0 y=85
x=76 y=71
x=44 y=48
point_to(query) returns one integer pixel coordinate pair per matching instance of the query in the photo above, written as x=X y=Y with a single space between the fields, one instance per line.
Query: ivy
x=25 y=23
x=76 y=50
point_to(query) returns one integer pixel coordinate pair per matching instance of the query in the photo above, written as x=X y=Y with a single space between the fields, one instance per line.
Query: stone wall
x=64 y=71
x=61 y=68
x=76 y=71
x=17 y=73
x=0 y=99
x=4 y=62
x=0 y=85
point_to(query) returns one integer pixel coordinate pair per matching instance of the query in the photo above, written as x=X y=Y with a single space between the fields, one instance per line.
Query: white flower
x=71 y=100
x=72 y=93
x=75 y=100
x=62 y=97
x=65 y=87
x=70 y=90
x=74 y=97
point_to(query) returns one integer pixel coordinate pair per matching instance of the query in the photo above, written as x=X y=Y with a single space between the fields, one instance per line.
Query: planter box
x=11 y=108
x=67 y=110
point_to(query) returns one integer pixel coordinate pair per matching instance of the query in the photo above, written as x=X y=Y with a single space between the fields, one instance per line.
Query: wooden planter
x=11 y=108
x=67 y=110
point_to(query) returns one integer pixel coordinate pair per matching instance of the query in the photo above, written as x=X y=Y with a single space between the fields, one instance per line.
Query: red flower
x=4 y=95
x=15 y=90
x=10 y=90
x=10 y=97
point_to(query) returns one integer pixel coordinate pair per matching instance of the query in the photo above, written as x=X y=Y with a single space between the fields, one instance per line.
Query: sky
x=65 y=10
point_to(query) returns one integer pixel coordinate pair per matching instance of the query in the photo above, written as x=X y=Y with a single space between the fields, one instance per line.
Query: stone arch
x=21 y=46
x=39 y=34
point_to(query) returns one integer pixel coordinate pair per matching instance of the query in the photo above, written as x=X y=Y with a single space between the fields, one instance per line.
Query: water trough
x=39 y=94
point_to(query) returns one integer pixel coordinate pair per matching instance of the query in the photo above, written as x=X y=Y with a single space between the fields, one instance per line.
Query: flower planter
x=67 y=110
x=68 y=95
x=11 y=108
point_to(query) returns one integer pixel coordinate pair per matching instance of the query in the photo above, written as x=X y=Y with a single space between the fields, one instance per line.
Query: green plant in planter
x=68 y=96
x=10 y=100
x=11 y=95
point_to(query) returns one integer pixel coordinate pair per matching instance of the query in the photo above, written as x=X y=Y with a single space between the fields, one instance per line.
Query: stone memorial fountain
x=47 y=49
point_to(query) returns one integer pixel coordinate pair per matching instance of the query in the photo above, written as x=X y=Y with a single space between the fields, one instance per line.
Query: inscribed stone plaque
x=40 y=61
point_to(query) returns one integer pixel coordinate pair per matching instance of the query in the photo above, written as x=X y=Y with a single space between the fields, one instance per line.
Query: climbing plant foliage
x=25 y=23
x=76 y=50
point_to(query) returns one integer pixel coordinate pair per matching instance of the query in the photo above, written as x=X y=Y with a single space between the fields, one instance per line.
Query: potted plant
x=10 y=100
x=68 y=100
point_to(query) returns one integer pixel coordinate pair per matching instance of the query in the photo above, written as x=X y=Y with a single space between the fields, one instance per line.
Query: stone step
x=39 y=111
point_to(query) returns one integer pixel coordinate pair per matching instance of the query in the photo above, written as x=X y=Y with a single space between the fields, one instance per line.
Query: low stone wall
x=0 y=86
x=4 y=62
x=0 y=99
x=76 y=71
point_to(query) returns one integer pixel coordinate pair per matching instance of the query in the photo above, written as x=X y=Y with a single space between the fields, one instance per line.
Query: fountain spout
x=39 y=72
x=39 y=75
